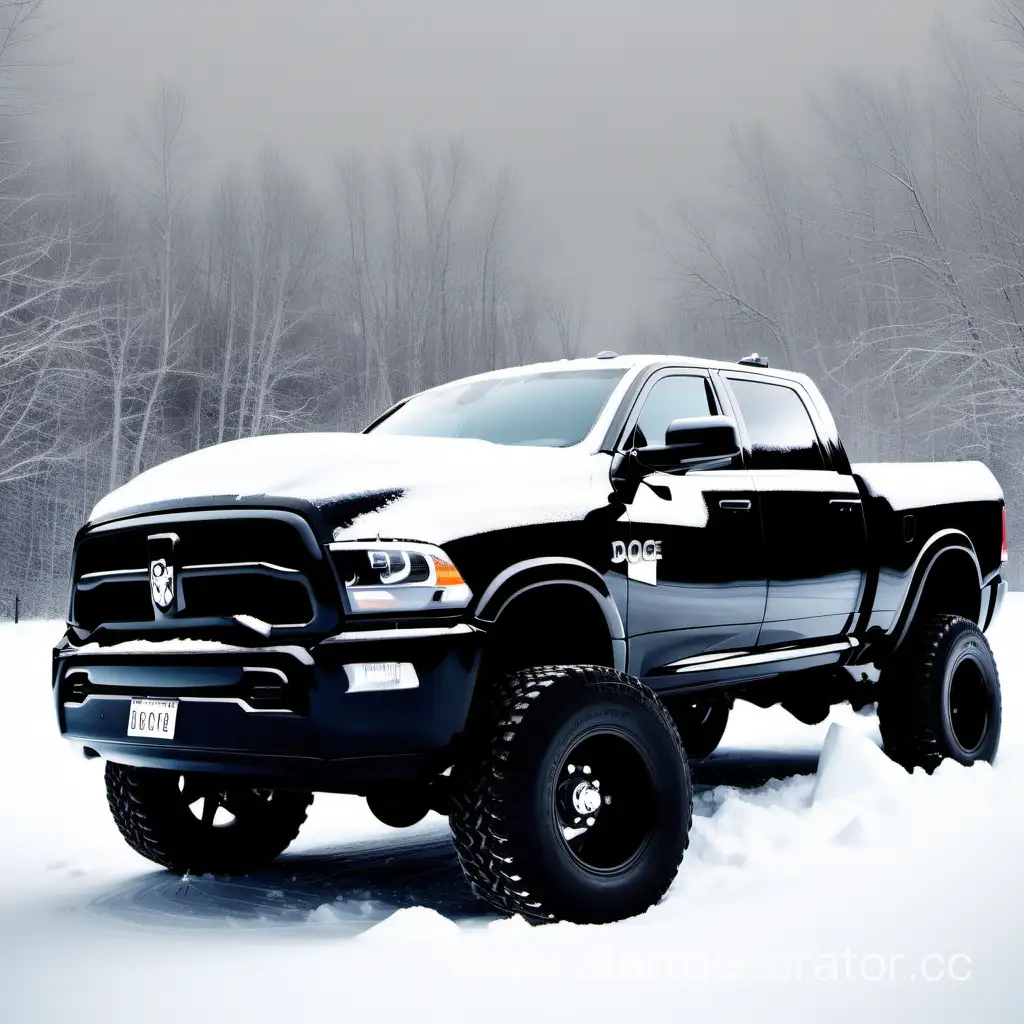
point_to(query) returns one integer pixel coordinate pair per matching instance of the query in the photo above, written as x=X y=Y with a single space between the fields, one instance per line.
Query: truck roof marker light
x=754 y=360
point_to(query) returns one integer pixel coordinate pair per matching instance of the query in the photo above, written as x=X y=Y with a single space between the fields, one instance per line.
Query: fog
x=600 y=111
x=204 y=238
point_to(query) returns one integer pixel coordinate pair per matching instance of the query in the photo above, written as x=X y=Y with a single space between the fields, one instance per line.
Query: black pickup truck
x=520 y=599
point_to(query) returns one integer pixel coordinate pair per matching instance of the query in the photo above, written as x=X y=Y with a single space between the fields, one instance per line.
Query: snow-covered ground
x=847 y=891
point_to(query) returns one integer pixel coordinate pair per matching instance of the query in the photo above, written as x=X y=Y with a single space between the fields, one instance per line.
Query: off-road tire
x=701 y=726
x=940 y=696
x=506 y=795
x=154 y=817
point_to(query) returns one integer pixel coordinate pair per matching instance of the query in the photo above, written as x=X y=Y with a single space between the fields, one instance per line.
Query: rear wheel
x=574 y=800
x=940 y=698
x=701 y=726
x=200 y=823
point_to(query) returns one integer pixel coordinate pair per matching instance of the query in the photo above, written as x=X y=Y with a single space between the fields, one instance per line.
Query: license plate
x=154 y=719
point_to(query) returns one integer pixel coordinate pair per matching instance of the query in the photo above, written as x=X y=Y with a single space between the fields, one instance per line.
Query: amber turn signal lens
x=447 y=574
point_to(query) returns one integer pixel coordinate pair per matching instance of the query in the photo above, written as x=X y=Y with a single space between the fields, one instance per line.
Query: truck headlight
x=382 y=576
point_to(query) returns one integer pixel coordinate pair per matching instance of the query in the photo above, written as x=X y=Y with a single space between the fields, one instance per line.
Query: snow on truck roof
x=630 y=365
x=626 y=362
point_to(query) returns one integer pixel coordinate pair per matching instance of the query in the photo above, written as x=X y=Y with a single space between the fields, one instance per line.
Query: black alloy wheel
x=604 y=801
x=940 y=696
x=701 y=725
x=572 y=800
x=199 y=823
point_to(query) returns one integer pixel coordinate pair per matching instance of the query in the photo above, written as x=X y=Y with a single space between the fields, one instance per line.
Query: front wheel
x=573 y=801
x=196 y=823
x=940 y=698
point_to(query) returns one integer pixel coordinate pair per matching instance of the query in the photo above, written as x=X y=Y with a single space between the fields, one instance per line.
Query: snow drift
x=856 y=892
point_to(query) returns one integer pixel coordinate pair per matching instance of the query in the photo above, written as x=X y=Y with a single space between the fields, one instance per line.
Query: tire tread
x=138 y=804
x=910 y=706
x=487 y=855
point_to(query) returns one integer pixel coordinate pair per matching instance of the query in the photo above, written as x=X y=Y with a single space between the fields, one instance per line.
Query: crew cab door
x=811 y=512
x=694 y=560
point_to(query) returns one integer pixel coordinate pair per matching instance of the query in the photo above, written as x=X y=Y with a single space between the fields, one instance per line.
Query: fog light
x=369 y=676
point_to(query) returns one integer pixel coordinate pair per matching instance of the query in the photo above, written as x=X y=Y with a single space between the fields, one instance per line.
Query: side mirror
x=693 y=443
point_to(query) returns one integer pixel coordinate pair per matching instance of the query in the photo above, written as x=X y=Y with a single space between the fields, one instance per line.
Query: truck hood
x=417 y=488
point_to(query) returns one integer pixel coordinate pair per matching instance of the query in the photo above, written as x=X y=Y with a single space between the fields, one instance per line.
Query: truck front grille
x=262 y=567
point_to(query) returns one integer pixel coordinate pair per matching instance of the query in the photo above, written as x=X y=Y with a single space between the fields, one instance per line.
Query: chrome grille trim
x=244 y=705
x=172 y=648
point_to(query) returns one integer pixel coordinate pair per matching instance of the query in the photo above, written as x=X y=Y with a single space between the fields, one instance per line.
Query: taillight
x=1006 y=550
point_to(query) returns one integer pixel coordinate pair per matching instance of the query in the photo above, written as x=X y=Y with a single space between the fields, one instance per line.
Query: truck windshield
x=552 y=410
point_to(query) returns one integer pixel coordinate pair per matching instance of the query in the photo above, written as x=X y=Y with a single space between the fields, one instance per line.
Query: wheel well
x=950 y=587
x=557 y=624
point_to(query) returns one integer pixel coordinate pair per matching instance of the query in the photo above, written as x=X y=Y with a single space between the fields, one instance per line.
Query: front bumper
x=283 y=715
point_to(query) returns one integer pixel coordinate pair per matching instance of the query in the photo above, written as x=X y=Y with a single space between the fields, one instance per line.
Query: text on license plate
x=153 y=718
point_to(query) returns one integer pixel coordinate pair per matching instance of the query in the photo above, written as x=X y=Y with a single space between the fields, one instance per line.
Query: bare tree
x=890 y=263
x=162 y=145
x=292 y=229
x=569 y=323
x=132 y=331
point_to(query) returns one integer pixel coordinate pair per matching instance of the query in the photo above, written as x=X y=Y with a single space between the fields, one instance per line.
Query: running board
x=710 y=670
x=743 y=659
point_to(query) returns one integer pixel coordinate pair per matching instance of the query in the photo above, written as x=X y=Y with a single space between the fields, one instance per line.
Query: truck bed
x=914 y=509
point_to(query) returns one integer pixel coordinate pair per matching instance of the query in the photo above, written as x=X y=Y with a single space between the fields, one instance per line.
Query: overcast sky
x=602 y=110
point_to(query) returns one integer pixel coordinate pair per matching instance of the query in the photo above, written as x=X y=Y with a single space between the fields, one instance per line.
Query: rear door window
x=779 y=427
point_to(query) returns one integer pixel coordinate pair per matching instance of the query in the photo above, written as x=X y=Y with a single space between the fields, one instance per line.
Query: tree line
x=886 y=259
x=145 y=318
x=144 y=315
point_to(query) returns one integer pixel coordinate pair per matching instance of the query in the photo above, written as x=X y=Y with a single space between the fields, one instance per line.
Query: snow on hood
x=434 y=488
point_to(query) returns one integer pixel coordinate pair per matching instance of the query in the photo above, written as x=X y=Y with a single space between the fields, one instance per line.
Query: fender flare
x=939 y=545
x=534 y=573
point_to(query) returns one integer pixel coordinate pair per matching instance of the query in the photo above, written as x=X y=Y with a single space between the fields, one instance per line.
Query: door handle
x=735 y=504
x=845 y=504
